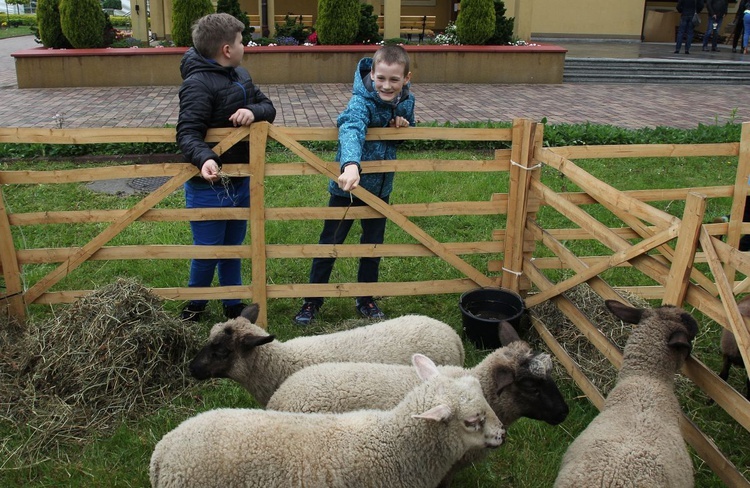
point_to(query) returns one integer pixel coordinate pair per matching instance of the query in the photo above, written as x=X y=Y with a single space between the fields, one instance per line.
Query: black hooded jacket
x=209 y=95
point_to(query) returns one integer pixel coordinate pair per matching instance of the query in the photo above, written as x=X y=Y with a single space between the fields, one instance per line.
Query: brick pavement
x=317 y=105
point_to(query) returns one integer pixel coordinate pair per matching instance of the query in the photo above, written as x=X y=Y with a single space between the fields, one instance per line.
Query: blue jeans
x=335 y=232
x=685 y=30
x=746 y=23
x=217 y=232
x=712 y=32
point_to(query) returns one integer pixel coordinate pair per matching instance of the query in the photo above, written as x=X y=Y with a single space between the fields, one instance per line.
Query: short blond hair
x=212 y=31
x=391 y=54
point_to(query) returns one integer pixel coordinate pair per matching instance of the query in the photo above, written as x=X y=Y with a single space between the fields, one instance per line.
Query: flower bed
x=55 y=68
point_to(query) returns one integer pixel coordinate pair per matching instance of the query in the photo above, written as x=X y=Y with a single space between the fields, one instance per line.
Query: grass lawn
x=119 y=455
x=22 y=30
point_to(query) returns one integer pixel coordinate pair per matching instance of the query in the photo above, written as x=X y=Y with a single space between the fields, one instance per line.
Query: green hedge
x=21 y=19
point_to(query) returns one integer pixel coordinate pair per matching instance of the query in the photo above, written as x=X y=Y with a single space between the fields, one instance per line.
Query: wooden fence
x=684 y=257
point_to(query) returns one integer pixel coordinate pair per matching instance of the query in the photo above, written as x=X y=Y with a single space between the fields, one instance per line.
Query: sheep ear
x=251 y=312
x=426 y=369
x=503 y=376
x=440 y=413
x=626 y=313
x=680 y=340
x=507 y=333
x=249 y=341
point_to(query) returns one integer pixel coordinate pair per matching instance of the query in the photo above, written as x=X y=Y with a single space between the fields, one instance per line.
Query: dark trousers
x=335 y=232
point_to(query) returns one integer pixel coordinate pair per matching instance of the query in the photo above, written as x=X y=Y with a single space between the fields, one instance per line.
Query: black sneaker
x=306 y=314
x=234 y=311
x=193 y=312
x=369 y=310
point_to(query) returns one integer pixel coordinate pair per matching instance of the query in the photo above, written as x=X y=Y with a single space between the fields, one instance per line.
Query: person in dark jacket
x=687 y=9
x=216 y=92
x=717 y=9
x=381 y=98
x=739 y=24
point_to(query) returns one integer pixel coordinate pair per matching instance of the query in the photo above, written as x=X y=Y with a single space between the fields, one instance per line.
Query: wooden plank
x=739 y=326
x=646 y=150
x=575 y=372
x=105 y=236
x=387 y=211
x=619 y=257
x=739 y=194
x=86 y=136
x=81 y=175
x=684 y=254
x=273 y=251
x=258 y=139
x=657 y=195
x=11 y=271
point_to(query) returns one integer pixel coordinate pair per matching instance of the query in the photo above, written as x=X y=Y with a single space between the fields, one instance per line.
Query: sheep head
x=228 y=343
x=666 y=328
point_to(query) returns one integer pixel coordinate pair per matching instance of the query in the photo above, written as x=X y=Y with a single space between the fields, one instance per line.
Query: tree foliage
x=184 y=15
x=476 y=21
x=368 y=26
x=48 y=22
x=232 y=7
x=112 y=4
x=338 y=21
x=503 y=26
x=83 y=23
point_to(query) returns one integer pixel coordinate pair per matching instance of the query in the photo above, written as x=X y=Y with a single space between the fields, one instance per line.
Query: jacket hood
x=192 y=62
x=364 y=87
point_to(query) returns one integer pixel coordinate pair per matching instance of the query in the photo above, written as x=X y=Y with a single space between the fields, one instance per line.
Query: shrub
x=184 y=15
x=48 y=21
x=83 y=23
x=292 y=28
x=503 y=27
x=476 y=21
x=449 y=36
x=232 y=7
x=368 y=26
x=338 y=21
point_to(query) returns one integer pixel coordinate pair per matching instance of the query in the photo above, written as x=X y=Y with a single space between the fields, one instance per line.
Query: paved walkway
x=317 y=105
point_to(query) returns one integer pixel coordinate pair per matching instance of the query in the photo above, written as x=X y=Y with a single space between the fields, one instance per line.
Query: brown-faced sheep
x=636 y=440
x=240 y=350
x=731 y=351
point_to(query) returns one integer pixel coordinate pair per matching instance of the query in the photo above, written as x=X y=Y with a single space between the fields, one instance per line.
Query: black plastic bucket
x=482 y=311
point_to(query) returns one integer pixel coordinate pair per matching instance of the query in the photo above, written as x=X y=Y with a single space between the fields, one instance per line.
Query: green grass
x=21 y=30
x=119 y=456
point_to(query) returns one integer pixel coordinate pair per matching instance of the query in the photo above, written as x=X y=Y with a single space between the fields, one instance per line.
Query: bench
x=306 y=19
x=421 y=25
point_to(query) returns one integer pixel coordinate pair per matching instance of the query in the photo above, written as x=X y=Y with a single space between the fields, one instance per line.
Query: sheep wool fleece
x=367 y=449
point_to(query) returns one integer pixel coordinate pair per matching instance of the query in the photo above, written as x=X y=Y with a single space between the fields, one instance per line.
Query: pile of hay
x=112 y=355
x=597 y=368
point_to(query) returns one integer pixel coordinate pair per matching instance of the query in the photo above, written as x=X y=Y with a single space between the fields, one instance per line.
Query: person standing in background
x=717 y=9
x=687 y=9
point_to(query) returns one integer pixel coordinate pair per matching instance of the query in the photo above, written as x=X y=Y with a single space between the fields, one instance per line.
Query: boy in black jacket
x=216 y=92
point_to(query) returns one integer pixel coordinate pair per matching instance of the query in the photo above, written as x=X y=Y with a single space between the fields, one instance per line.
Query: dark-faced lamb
x=636 y=440
x=410 y=446
x=516 y=382
x=240 y=350
x=730 y=351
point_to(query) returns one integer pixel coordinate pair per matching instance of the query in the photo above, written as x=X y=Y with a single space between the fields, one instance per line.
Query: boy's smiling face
x=389 y=79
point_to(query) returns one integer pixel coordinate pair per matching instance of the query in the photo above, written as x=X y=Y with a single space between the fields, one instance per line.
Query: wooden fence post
x=675 y=288
x=739 y=195
x=258 y=139
x=518 y=194
x=13 y=298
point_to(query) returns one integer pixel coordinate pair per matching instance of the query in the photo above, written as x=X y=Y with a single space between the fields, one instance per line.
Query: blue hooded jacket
x=366 y=109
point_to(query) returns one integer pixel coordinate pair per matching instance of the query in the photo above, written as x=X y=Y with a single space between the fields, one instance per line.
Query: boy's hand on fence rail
x=399 y=122
x=242 y=116
x=349 y=178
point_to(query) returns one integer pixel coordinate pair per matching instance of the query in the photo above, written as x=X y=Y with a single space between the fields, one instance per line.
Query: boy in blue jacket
x=216 y=92
x=380 y=98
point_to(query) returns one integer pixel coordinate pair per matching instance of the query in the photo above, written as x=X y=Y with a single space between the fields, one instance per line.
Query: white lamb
x=636 y=440
x=515 y=380
x=240 y=350
x=410 y=446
